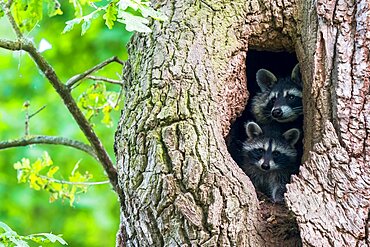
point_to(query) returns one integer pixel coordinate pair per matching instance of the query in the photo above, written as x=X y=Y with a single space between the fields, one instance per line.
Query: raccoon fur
x=280 y=99
x=270 y=158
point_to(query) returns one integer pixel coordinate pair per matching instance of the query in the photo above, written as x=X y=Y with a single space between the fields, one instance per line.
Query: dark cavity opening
x=281 y=65
x=284 y=227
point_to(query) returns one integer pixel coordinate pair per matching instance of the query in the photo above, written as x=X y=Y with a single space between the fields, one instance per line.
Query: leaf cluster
x=40 y=176
x=132 y=13
x=9 y=237
x=97 y=99
x=28 y=13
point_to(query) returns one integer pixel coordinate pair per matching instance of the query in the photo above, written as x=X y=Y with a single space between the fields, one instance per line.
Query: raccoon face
x=284 y=104
x=270 y=153
x=280 y=99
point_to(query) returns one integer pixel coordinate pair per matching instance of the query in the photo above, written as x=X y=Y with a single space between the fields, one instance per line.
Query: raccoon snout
x=276 y=113
x=265 y=166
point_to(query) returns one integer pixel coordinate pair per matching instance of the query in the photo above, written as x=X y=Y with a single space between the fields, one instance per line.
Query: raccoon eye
x=260 y=151
x=273 y=99
x=290 y=97
x=276 y=154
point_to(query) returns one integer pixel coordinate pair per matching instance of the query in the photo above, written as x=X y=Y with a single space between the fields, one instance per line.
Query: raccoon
x=270 y=158
x=280 y=99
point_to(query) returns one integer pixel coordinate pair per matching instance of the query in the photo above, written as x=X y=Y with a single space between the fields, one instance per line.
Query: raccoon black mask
x=280 y=98
x=270 y=151
x=270 y=158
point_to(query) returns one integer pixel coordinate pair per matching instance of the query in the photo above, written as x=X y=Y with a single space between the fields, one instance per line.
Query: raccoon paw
x=278 y=194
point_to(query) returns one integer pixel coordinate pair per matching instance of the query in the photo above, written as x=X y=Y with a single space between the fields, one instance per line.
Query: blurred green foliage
x=94 y=219
x=9 y=237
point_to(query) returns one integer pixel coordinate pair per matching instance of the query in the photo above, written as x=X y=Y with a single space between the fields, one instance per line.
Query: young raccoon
x=270 y=158
x=280 y=99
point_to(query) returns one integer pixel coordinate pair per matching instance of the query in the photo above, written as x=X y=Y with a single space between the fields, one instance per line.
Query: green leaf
x=46 y=159
x=19 y=242
x=10 y=236
x=110 y=15
x=37 y=166
x=85 y=26
x=27 y=13
x=86 y=21
x=53 y=8
x=7 y=228
x=70 y=24
x=107 y=120
x=134 y=23
x=78 y=4
x=34 y=181
x=148 y=11
x=52 y=171
x=124 y=4
x=96 y=99
x=23 y=170
x=47 y=237
x=35 y=10
x=24 y=164
x=57 y=188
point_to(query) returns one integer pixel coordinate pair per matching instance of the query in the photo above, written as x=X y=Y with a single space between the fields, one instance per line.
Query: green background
x=94 y=219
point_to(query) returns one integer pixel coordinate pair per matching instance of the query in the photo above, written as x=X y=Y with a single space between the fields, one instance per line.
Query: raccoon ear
x=265 y=79
x=292 y=136
x=253 y=130
x=296 y=75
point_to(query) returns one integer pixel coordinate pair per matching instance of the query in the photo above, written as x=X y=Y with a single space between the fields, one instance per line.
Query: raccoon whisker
x=298 y=110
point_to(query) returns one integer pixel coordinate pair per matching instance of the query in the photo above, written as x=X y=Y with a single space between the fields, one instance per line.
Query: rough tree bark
x=331 y=196
x=185 y=84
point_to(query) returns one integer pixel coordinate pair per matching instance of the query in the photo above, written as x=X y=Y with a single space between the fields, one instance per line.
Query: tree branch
x=74 y=79
x=64 y=93
x=36 y=112
x=82 y=122
x=7 y=11
x=99 y=78
x=73 y=183
x=11 y=45
x=26 y=119
x=10 y=2
x=54 y=140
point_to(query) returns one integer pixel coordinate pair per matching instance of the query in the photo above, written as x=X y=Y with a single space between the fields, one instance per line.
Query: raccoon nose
x=265 y=166
x=277 y=112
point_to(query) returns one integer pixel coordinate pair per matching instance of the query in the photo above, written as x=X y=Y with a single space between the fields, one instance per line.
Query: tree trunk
x=185 y=84
x=331 y=195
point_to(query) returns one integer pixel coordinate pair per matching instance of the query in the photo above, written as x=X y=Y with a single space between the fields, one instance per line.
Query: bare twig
x=36 y=112
x=11 y=45
x=73 y=183
x=99 y=78
x=7 y=11
x=54 y=140
x=10 y=2
x=64 y=93
x=28 y=116
x=76 y=78
x=26 y=105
